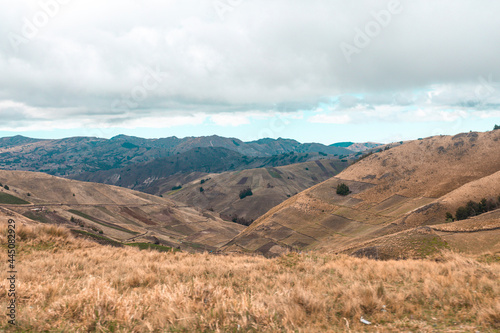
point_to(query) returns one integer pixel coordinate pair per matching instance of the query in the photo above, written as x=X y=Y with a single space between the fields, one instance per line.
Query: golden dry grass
x=411 y=185
x=73 y=285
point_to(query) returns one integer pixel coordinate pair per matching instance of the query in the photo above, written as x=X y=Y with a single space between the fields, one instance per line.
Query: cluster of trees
x=343 y=189
x=245 y=193
x=473 y=209
x=241 y=220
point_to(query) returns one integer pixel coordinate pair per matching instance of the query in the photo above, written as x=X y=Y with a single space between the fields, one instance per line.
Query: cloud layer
x=128 y=63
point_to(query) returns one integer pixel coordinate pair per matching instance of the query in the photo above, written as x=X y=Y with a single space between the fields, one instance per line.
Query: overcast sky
x=313 y=70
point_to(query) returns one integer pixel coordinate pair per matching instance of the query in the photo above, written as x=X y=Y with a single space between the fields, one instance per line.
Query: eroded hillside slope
x=405 y=187
x=112 y=213
x=270 y=187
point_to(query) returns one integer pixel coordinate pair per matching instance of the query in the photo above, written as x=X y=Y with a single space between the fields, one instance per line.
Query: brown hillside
x=394 y=190
x=270 y=187
x=115 y=213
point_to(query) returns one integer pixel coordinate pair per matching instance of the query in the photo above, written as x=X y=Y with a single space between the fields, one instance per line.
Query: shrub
x=178 y=187
x=72 y=219
x=449 y=217
x=245 y=193
x=462 y=213
x=6 y=187
x=343 y=189
x=201 y=189
x=476 y=208
x=241 y=220
x=28 y=194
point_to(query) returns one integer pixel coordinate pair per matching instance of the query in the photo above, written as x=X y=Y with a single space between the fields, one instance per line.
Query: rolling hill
x=396 y=193
x=270 y=186
x=146 y=176
x=357 y=147
x=76 y=155
x=112 y=214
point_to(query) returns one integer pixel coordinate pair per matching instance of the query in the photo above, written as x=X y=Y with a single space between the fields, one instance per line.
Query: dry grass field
x=73 y=285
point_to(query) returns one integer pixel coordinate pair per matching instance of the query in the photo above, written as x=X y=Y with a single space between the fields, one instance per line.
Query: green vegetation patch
x=343 y=189
x=490 y=258
x=428 y=246
x=88 y=217
x=99 y=238
x=149 y=246
x=6 y=198
x=474 y=209
x=245 y=193
x=37 y=217
x=274 y=173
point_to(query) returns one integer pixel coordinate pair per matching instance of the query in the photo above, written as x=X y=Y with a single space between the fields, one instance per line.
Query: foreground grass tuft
x=71 y=285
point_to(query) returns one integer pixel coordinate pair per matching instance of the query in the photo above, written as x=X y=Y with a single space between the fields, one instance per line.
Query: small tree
x=6 y=187
x=496 y=127
x=201 y=189
x=343 y=189
x=245 y=193
x=462 y=213
x=449 y=217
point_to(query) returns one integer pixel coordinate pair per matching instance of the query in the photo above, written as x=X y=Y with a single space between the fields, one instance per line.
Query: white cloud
x=262 y=55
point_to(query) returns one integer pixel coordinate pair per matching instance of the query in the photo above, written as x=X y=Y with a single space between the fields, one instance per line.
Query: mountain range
x=76 y=155
x=402 y=201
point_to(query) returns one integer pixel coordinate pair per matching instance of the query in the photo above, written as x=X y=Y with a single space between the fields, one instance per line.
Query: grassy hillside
x=86 y=287
x=150 y=176
x=116 y=213
x=270 y=187
x=6 y=198
x=76 y=155
x=398 y=189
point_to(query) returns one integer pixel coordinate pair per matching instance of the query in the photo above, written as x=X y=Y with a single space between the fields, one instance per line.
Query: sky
x=315 y=71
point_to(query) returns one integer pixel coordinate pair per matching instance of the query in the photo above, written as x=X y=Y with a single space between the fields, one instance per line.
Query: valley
x=113 y=214
x=237 y=242
x=396 y=197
